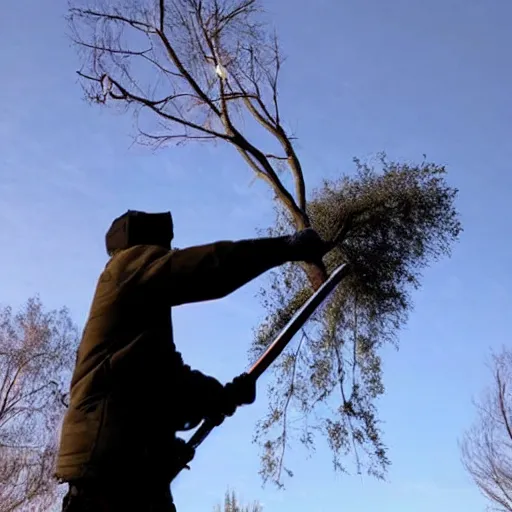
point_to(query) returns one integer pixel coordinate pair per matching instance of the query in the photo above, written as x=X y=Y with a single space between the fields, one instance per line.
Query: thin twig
x=275 y=157
x=128 y=96
x=285 y=409
x=139 y=25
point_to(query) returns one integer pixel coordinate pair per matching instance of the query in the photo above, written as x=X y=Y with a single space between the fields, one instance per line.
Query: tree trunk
x=316 y=272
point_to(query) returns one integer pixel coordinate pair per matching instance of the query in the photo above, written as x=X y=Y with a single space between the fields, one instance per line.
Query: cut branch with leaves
x=395 y=219
x=196 y=70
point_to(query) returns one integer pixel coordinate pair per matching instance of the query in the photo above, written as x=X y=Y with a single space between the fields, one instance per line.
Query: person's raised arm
x=212 y=271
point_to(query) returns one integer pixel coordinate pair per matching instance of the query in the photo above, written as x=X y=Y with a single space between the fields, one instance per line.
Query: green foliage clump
x=395 y=220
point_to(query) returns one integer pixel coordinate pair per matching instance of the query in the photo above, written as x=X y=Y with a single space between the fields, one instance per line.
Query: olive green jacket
x=129 y=380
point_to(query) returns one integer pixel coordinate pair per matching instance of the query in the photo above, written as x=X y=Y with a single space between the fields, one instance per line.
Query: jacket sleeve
x=212 y=271
x=199 y=394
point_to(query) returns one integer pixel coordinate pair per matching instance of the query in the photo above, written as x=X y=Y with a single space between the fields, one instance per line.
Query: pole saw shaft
x=280 y=343
x=297 y=322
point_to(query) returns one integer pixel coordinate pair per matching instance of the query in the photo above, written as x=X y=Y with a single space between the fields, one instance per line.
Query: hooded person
x=130 y=390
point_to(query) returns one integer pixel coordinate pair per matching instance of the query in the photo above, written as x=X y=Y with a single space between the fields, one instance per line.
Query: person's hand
x=216 y=402
x=222 y=401
x=242 y=390
x=308 y=246
x=183 y=451
x=180 y=456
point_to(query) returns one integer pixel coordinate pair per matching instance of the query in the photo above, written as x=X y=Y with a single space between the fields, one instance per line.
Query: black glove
x=182 y=452
x=208 y=398
x=215 y=403
x=242 y=390
x=307 y=246
x=179 y=457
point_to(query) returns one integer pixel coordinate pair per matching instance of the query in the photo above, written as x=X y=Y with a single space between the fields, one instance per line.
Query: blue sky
x=405 y=76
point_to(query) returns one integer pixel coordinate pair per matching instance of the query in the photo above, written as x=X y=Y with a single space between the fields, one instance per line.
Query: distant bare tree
x=487 y=446
x=208 y=70
x=232 y=504
x=37 y=349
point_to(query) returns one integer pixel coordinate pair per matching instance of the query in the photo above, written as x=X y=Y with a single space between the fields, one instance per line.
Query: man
x=130 y=390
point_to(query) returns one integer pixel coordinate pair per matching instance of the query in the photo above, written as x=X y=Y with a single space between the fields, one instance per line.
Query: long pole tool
x=279 y=344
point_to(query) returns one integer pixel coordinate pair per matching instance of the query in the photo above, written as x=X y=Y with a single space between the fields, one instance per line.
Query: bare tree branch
x=487 y=447
x=36 y=355
x=136 y=24
x=128 y=96
x=275 y=157
x=289 y=396
x=162 y=15
x=505 y=408
x=203 y=29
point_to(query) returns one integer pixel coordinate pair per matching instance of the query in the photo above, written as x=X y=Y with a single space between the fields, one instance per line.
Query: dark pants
x=132 y=497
